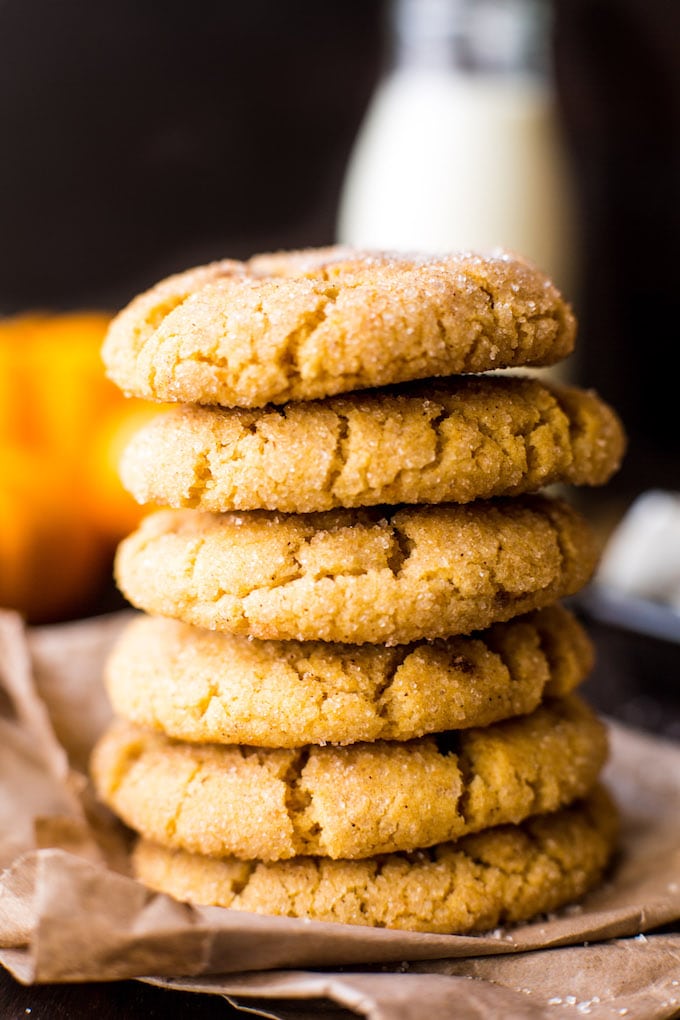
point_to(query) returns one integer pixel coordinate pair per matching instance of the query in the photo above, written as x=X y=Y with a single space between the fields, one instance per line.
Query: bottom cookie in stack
x=499 y=876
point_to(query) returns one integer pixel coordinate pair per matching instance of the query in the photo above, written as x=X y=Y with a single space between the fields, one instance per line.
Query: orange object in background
x=51 y=560
x=111 y=509
x=62 y=428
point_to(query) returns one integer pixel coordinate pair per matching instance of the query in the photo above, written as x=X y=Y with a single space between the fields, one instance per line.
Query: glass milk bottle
x=460 y=147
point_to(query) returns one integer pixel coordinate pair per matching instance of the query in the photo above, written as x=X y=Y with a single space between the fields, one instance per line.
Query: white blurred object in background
x=460 y=146
x=642 y=556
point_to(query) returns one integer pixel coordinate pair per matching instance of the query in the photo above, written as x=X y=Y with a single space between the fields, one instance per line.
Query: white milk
x=460 y=146
x=450 y=161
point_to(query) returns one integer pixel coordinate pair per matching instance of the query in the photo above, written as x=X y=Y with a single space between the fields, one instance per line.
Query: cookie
x=351 y=801
x=498 y=877
x=297 y=326
x=198 y=685
x=453 y=441
x=383 y=576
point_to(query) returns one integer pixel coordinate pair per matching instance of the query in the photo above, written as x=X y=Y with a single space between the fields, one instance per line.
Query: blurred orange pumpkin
x=62 y=428
x=50 y=558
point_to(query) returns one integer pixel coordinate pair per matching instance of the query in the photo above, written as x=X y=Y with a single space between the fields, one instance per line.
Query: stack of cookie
x=352 y=697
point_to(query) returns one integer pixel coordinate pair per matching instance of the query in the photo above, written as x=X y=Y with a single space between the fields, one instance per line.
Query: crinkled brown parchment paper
x=69 y=911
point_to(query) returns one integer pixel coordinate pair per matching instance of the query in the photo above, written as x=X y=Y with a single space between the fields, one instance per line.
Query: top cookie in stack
x=305 y=513
x=302 y=325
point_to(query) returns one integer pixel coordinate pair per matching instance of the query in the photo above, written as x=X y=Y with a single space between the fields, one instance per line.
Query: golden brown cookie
x=500 y=876
x=383 y=576
x=351 y=801
x=302 y=325
x=198 y=685
x=453 y=441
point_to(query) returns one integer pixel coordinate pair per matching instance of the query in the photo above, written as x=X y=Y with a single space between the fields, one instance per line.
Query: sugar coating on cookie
x=203 y=686
x=351 y=801
x=466 y=439
x=500 y=876
x=298 y=326
x=381 y=576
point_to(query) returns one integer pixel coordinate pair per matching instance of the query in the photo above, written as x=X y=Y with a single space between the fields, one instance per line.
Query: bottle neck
x=473 y=36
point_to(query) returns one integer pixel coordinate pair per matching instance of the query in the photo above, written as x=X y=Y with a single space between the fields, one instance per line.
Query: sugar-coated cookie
x=204 y=686
x=351 y=801
x=444 y=441
x=301 y=325
x=500 y=876
x=381 y=576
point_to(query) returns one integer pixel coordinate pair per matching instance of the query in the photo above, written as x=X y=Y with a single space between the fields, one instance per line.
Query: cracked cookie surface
x=500 y=876
x=203 y=686
x=453 y=441
x=297 y=326
x=351 y=801
x=380 y=575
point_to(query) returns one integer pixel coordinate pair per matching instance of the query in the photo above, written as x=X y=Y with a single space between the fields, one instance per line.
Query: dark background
x=140 y=138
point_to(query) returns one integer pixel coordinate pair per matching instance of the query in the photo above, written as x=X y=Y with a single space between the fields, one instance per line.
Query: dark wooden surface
x=122 y=1000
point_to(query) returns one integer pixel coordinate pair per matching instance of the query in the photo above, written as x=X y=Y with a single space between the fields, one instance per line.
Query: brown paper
x=69 y=912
